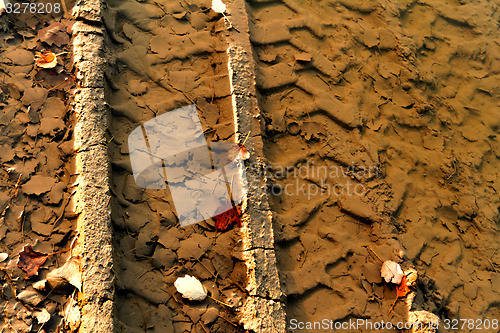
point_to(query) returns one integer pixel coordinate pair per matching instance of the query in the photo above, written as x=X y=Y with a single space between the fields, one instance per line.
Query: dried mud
x=37 y=163
x=166 y=55
x=401 y=99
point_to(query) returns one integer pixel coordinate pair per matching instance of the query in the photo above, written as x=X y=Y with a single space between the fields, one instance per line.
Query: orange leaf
x=238 y=151
x=30 y=261
x=45 y=59
x=402 y=289
x=226 y=215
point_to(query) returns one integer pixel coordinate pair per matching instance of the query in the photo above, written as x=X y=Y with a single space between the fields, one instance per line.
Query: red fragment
x=402 y=289
x=226 y=215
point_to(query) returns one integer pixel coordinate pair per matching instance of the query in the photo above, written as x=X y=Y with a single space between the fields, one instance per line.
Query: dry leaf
x=226 y=215
x=238 y=152
x=218 y=6
x=45 y=59
x=42 y=316
x=56 y=33
x=391 y=272
x=40 y=285
x=190 y=288
x=3 y=256
x=30 y=261
x=70 y=273
x=402 y=289
x=72 y=315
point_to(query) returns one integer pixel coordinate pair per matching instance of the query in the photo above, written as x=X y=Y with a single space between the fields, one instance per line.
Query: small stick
x=220 y=302
x=63 y=3
x=376 y=255
x=203 y=327
x=392 y=306
x=228 y=321
x=17 y=185
x=57 y=85
x=246 y=138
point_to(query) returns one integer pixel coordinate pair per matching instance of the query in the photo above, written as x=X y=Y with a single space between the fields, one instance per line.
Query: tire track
x=350 y=86
x=167 y=55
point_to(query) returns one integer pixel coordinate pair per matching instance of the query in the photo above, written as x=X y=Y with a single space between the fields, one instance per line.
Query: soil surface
x=168 y=55
x=382 y=131
x=36 y=159
x=380 y=123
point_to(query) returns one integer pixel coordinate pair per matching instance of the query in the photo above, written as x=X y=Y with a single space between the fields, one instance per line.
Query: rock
x=371 y=38
x=495 y=283
x=136 y=87
x=303 y=56
x=470 y=290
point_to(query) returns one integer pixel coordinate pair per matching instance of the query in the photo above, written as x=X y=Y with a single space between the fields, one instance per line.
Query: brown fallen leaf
x=45 y=59
x=38 y=185
x=30 y=261
x=56 y=33
x=69 y=273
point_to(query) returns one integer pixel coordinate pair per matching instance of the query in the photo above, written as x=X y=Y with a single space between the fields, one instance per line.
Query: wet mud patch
x=168 y=55
x=36 y=166
x=380 y=132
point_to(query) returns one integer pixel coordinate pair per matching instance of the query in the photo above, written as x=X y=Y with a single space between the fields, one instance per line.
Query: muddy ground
x=36 y=164
x=166 y=55
x=387 y=114
x=380 y=123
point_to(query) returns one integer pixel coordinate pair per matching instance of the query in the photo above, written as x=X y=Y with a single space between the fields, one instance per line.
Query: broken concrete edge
x=264 y=309
x=92 y=198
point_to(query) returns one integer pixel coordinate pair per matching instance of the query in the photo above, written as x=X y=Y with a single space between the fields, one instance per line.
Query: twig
x=57 y=85
x=376 y=255
x=228 y=321
x=246 y=138
x=392 y=306
x=220 y=302
x=491 y=263
x=16 y=187
x=203 y=327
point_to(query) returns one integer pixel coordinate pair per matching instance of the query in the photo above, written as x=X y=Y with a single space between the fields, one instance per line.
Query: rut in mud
x=381 y=129
x=167 y=55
